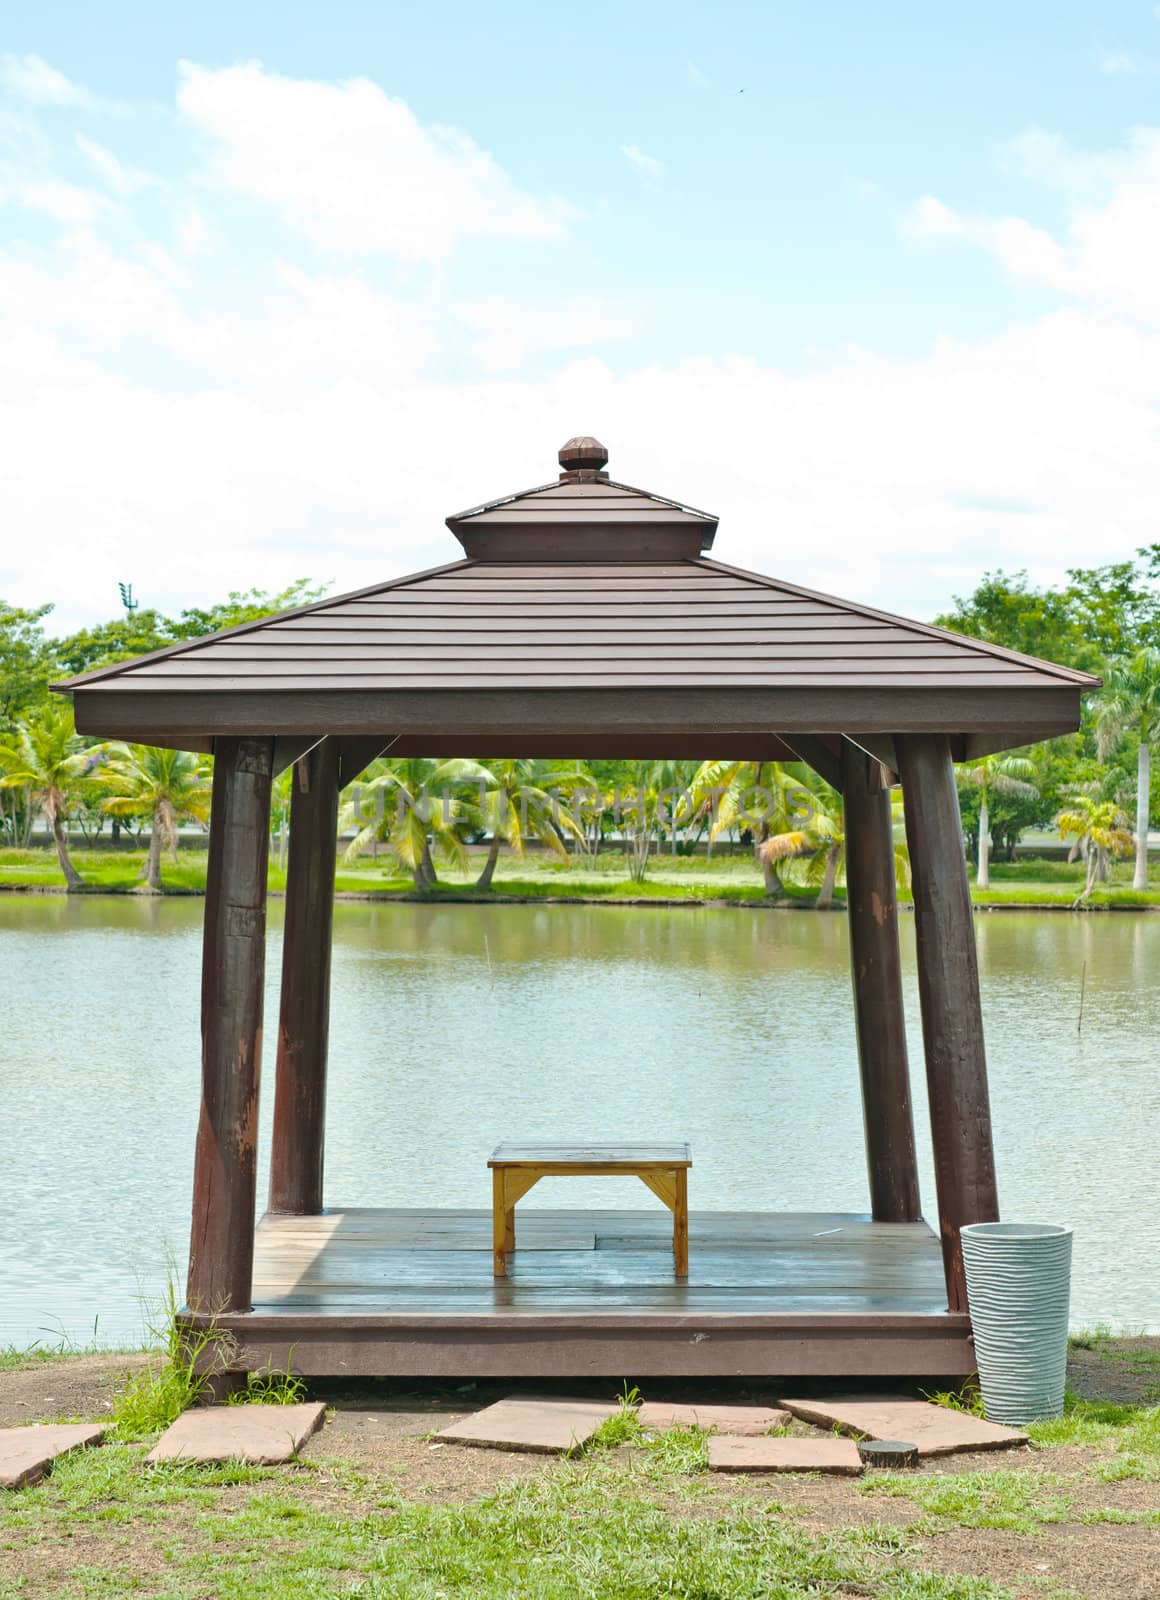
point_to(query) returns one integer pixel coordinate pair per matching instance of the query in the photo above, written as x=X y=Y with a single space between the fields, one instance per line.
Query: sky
x=282 y=286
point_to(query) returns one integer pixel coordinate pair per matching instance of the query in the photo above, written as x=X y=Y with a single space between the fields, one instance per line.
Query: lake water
x=454 y=1027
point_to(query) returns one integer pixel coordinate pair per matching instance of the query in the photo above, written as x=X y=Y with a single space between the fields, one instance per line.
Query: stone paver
x=657 y=1415
x=548 y=1427
x=730 y=1454
x=27 y=1453
x=936 y=1430
x=263 y=1435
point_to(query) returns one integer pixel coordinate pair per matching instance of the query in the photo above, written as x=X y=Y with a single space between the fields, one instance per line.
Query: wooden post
x=948 y=986
x=304 y=1018
x=221 y=1251
x=876 y=968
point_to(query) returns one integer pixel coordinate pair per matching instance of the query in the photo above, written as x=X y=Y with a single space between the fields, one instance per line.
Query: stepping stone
x=839 y=1456
x=27 y=1453
x=547 y=1427
x=262 y=1435
x=935 y=1430
x=657 y=1415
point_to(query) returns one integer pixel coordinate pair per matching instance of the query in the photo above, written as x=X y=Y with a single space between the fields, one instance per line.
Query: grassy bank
x=670 y=878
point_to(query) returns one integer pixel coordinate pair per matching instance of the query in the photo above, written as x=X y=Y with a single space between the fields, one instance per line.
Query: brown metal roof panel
x=1070 y=674
x=528 y=519
x=577 y=648
x=606 y=494
x=458 y=631
x=518 y=679
x=696 y=610
x=595 y=587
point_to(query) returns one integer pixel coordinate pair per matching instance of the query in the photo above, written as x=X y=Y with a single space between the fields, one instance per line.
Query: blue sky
x=280 y=287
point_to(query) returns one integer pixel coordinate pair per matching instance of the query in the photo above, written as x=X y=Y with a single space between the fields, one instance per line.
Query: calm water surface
x=454 y=1027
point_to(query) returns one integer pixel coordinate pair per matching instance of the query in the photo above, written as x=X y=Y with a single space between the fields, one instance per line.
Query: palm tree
x=47 y=760
x=828 y=862
x=763 y=797
x=405 y=804
x=995 y=775
x=166 y=787
x=513 y=805
x=1130 y=703
x=1100 y=829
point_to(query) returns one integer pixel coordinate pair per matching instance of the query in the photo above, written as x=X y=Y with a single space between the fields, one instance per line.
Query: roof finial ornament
x=583 y=454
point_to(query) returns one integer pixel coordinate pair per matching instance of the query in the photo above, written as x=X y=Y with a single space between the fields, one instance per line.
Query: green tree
x=249 y=605
x=406 y=804
x=1100 y=829
x=27 y=662
x=766 y=800
x=1100 y=612
x=166 y=786
x=995 y=775
x=136 y=633
x=826 y=867
x=1116 y=607
x=1005 y=609
x=514 y=802
x=46 y=759
x=1129 y=705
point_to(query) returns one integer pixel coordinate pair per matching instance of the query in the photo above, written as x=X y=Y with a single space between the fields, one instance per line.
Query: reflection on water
x=454 y=1027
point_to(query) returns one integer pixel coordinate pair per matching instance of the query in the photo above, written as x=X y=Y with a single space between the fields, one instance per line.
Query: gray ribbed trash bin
x=1018 y=1287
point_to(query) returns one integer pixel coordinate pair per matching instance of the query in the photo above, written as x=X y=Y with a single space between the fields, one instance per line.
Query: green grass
x=1144 y=1363
x=968 y=1398
x=175 y=1379
x=1019 y=1501
x=677 y=1452
x=1131 y=1432
x=730 y=878
x=623 y=1427
x=590 y=1531
x=268 y=1388
x=20 y=1358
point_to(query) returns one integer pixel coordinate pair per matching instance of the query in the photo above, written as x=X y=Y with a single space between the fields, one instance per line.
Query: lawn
x=736 y=878
x=377 y=1508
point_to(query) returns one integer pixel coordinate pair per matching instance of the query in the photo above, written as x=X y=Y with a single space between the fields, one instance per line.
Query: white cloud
x=32 y=79
x=209 y=428
x=1050 y=159
x=509 y=331
x=64 y=202
x=1108 y=255
x=352 y=169
x=193 y=232
x=649 y=165
x=318 y=440
x=1119 y=63
x=111 y=170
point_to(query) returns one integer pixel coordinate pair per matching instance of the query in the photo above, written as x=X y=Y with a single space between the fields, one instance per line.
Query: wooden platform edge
x=463 y=1346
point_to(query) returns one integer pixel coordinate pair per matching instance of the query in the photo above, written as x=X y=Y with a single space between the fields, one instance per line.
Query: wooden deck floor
x=622 y=1261
x=412 y=1292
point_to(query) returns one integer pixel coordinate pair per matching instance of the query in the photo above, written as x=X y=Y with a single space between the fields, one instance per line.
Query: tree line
x=1096 y=786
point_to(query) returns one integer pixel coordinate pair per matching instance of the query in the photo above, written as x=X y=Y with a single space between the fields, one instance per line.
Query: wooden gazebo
x=584 y=620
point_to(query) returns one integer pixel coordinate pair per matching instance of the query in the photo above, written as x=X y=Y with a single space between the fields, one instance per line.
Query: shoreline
x=494 y=898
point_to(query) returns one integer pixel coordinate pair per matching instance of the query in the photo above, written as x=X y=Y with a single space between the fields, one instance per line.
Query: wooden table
x=516 y=1168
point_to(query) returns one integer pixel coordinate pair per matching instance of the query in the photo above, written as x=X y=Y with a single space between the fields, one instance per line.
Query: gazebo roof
x=585 y=619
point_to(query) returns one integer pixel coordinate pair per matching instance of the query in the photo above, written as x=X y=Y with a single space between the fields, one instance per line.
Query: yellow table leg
x=503 y=1225
x=681 y=1223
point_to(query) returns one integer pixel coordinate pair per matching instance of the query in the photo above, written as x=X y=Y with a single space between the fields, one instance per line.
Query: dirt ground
x=379 y=1435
